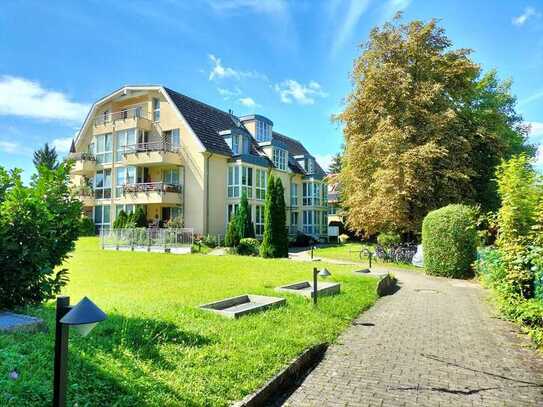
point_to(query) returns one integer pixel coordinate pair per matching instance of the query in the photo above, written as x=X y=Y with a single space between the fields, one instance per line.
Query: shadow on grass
x=122 y=362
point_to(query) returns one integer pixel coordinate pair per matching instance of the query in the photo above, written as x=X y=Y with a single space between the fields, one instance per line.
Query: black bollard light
x=323 y=273
x=83 y=317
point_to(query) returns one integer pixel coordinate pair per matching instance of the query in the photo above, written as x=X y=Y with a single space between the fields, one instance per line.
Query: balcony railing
x=82 y=157
x=132 y=113
x=161 y=187
x=161 y=146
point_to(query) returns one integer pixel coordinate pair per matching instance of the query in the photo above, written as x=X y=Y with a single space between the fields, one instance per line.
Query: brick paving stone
x=435 y=342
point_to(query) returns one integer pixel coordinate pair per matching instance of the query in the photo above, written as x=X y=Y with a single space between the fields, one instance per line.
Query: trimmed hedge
x=449 y=241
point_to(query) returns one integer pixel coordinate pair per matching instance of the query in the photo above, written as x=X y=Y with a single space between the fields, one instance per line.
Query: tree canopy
x=46 y=156
x=423 y=128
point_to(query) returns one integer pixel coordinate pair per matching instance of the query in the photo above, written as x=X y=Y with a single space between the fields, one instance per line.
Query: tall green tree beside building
x=423 y=128
x=46 y=156
x=245 y=224
x=280 y=233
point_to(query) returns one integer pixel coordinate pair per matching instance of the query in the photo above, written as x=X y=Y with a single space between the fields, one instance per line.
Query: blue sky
x=289 y=61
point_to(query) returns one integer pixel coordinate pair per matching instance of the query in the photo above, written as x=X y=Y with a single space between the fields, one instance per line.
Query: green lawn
x=157 y=347
x=350 y=252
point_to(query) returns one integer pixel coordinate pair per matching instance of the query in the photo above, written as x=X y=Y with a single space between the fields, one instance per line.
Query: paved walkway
x=435 y=342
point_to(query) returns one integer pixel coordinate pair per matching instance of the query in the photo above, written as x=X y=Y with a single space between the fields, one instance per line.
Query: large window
x=101 y=216
x=104 y=147
x=240 y=179
x=311 y=221
x=294 y=219
x=247 y=181
x=280 y=158
x=311 y=194
x=232 y=210
x=238 y=143
x=260 y=185
x=172 y=176
x=172 y=138
x=156 y=110
x=171 y=212
x=259 y=220
x=233 y=181
x=293 y=195
x=102 y=184
x=124 y=176
x=124 y=138
x=263 y=131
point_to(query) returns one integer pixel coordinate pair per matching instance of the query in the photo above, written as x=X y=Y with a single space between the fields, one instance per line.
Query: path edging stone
x=286 y=378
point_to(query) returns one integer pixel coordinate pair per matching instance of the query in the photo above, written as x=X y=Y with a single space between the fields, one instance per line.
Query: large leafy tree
x=46 y=156
x=422 y=129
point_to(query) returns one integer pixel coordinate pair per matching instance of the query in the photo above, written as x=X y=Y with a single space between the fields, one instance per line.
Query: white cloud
x=354 y=12
x=324 y=160
x=248 y=102
x=532 y=98
x=219 y=71
x=291 y=90
x=391 y=7
x=528 y=13
x=276 y=7
x=9 y=147
x=22 y=97
x=536 y=128
x=62 y=145
x=228 y=93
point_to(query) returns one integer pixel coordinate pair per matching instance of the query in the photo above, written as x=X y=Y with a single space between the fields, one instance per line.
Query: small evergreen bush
x=248 y=247
x=232 y=237
x=449 y=240
x=120 y=221
x=139 y=218
x=210 y=241
x=388 y=239
x=87 y=227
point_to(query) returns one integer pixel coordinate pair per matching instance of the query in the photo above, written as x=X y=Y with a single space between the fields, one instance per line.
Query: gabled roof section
x=294 y=148
x=206 y=121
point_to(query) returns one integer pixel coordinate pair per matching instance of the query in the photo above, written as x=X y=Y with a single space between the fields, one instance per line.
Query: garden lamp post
x=83 y=317
x=368 y=253
x=323 y=273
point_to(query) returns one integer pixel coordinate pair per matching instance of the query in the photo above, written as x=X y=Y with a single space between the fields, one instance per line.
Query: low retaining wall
x=286 y=379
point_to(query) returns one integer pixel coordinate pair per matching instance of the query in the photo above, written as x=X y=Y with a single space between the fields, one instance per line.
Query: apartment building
x=177 y=157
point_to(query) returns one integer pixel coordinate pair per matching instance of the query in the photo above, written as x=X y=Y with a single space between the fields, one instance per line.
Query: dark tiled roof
x=294 y=147
x=205 y=120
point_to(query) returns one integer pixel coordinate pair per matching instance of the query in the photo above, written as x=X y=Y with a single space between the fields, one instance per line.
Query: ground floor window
x=312 y=221
x=101 y=215
x=232 y=210
x=172 y=212
x=259 y=220
x=294 y=219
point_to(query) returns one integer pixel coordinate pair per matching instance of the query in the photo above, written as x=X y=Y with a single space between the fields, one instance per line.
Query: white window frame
x=156 y=109
x=169 y=175
x=233 y=182
x=259 y=220
x=103 y=150
x=100 y=222
x=124 y=138
x=105 y=188
x=294 y=194
x=280 y=158
x=261 y=181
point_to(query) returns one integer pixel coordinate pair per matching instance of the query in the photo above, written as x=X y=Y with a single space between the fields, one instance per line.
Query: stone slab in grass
x=11 y=322
x=305 y=288
x=236 y=307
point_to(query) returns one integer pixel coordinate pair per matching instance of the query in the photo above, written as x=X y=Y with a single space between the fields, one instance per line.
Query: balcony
x=84 y=164
x=152 y=192
x=156 y=153
x=135 y=117
x=85 y=195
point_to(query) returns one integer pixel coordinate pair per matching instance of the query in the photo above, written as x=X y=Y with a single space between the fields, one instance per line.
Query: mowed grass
x=351 y=252
x=157 y=348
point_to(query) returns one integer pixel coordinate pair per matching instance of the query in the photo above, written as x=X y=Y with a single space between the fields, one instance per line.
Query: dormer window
x=238 y=143
x=310 y=165
x=280 y=158
x=263 y=131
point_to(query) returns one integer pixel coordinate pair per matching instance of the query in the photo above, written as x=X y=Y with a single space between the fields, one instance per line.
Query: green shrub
x=139 y=218
x=120 y=221
x=210 y=241
x=245 y=225
x=38 y=226
x=388 y=239
x=248 y=247
x=175 y=223
x=449 y=240
x=232 y=237
x=275 y=240
x=87 y=227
